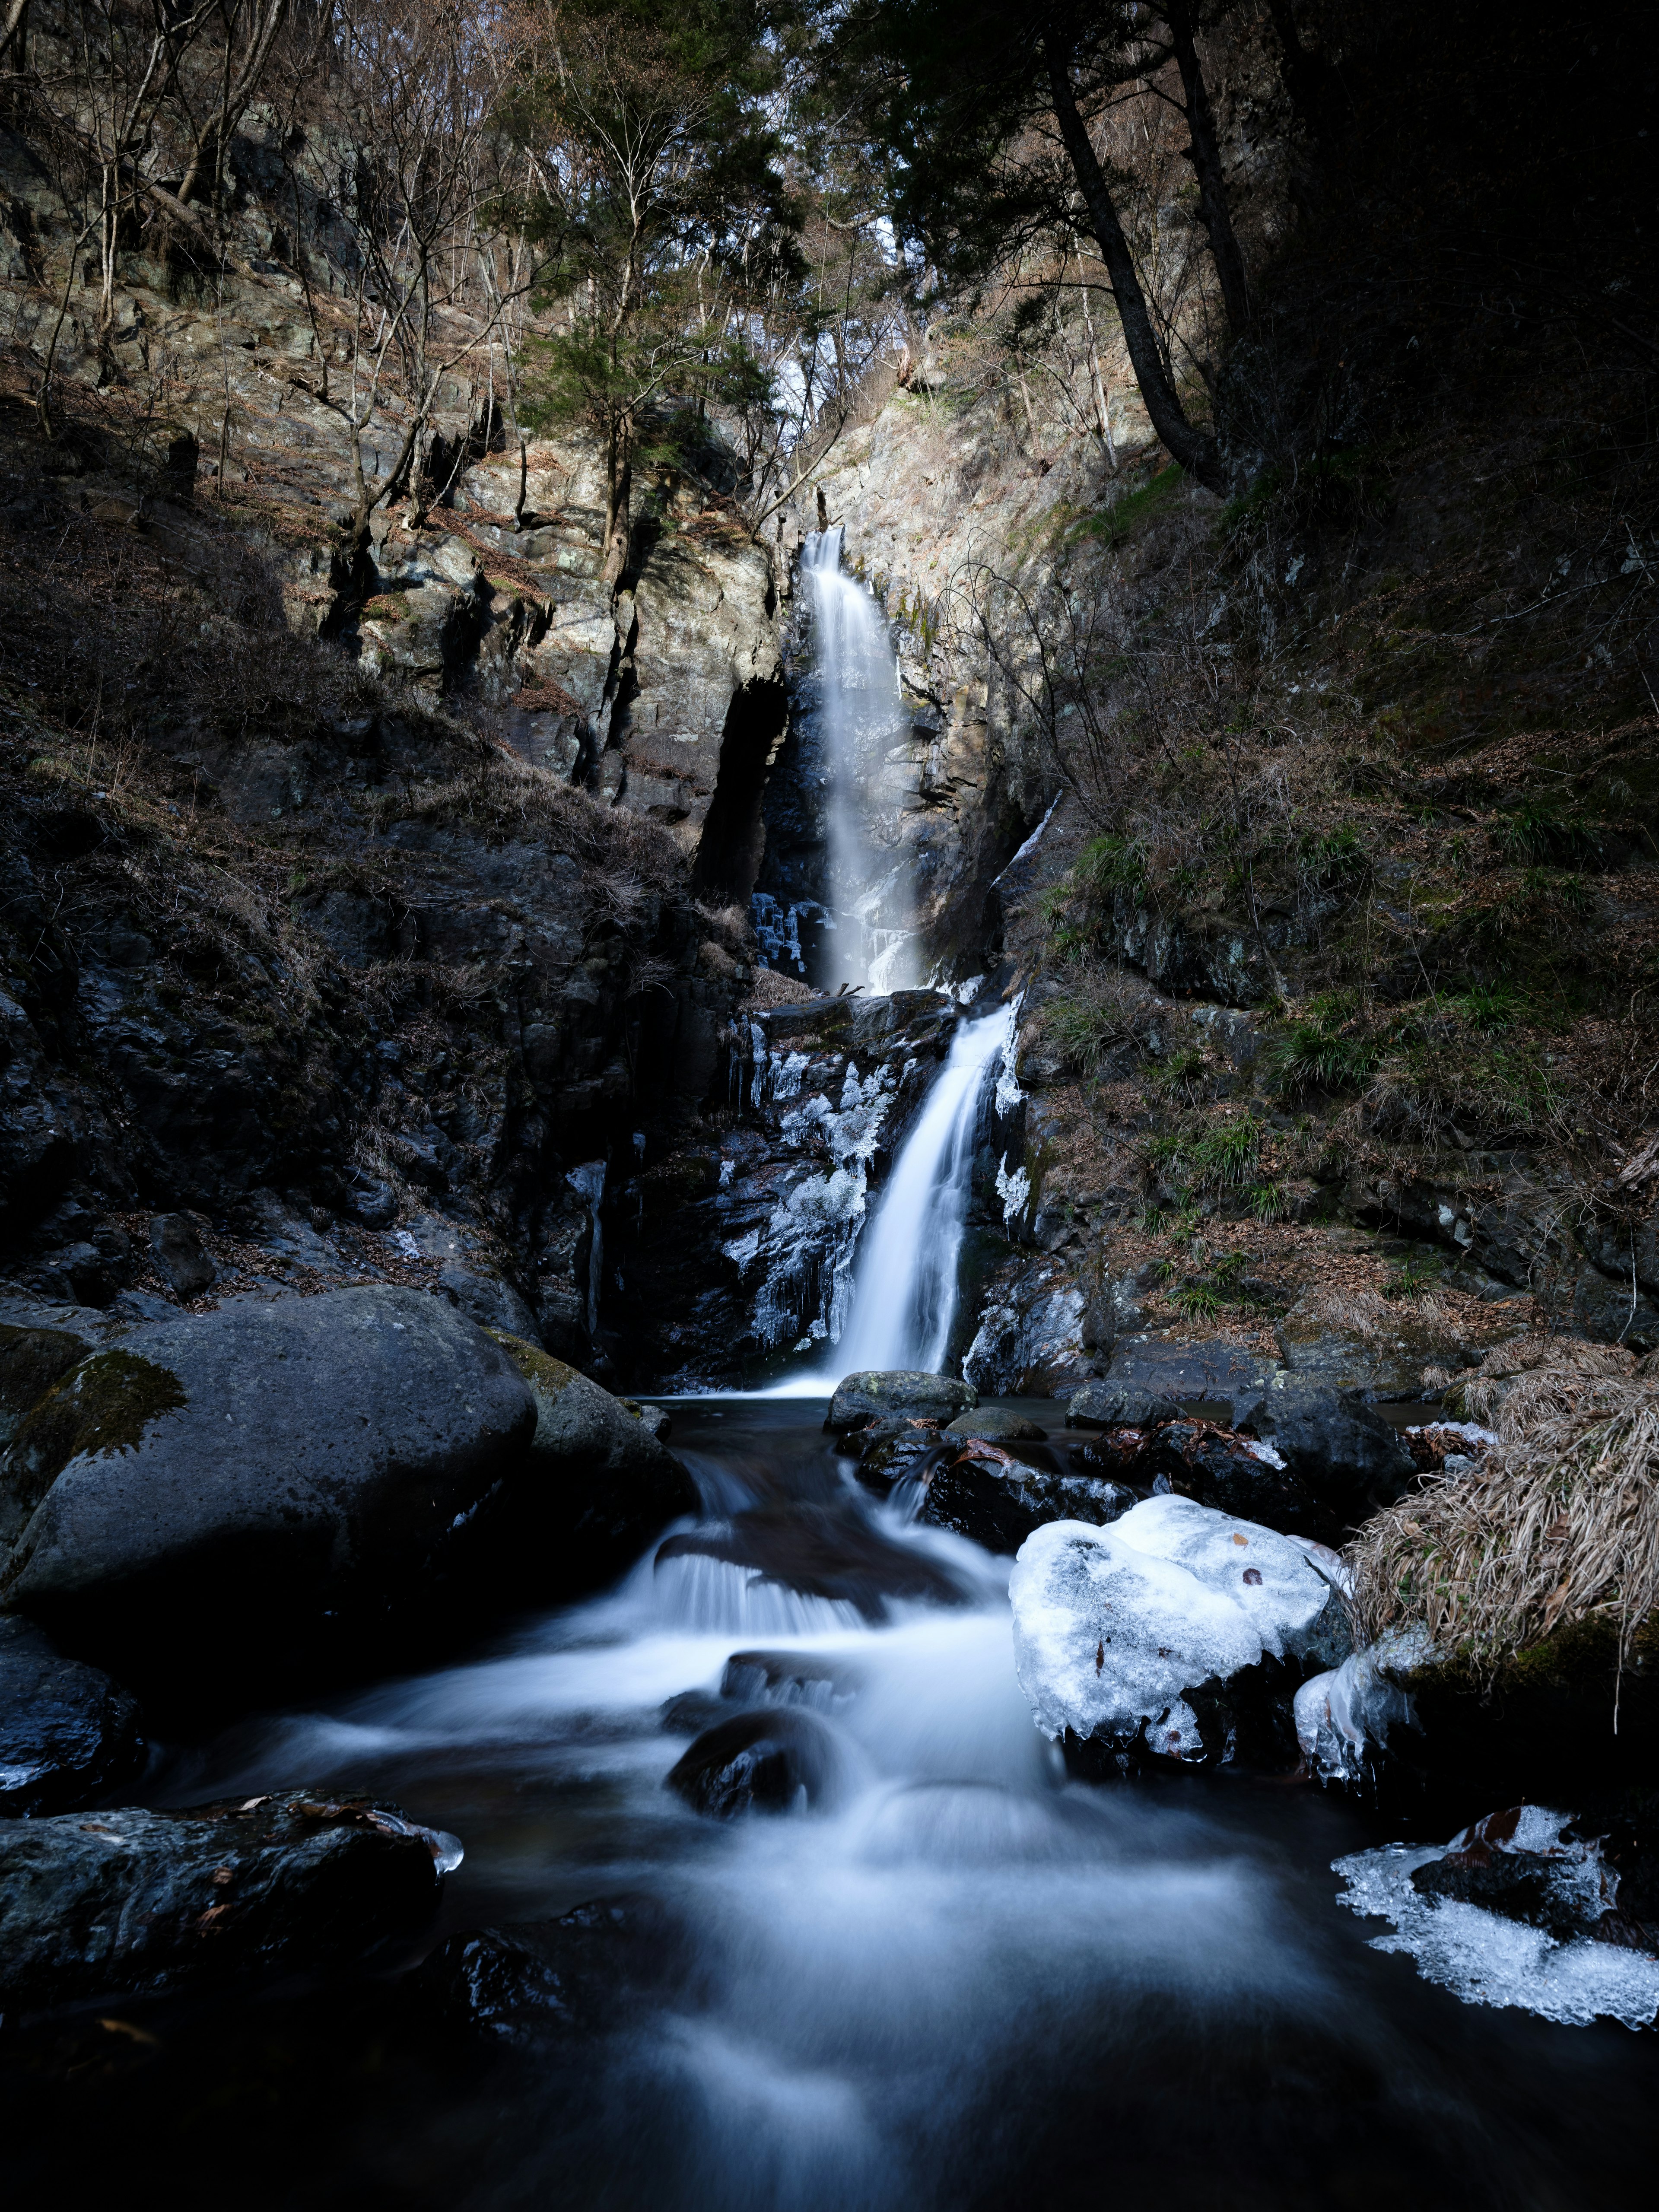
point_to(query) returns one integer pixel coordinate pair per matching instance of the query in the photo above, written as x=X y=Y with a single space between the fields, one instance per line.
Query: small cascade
x=870 y=941
x=905 y=1301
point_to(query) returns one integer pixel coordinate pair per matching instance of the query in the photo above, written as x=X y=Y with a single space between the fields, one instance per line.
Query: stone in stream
x=996 y=1500
x=129 y=1902
x=599 y=1485
x=68 y=1732
x=1176 y=1633
x=1348 y=1459
x=819 y=1551
x=876 y=1393
x=237 y=1480
x=765 y=1761
x=790 y=1678
x=689 y=1712
x=536 y=1980
x=998 y=1425
x=1119 y=1405
x=892 y=1450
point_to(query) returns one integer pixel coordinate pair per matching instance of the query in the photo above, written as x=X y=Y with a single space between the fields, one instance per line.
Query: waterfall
x=863 y=717
x=905 y=1298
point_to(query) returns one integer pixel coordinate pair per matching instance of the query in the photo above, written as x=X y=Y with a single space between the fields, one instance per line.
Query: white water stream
x=864 y=719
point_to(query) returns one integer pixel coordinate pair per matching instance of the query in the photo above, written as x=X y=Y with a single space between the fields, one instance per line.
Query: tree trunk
x=1206 y=157
x=618 y=497
x=1193 y=448
x=14 y=23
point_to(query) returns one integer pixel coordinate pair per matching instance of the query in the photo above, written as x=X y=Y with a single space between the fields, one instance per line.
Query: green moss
x=384 y=609
x=1125 y=516
x=102 y=1408
x=539 y=1367
x=31 y=1361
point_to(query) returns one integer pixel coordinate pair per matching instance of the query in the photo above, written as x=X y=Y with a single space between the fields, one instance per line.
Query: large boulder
x=599 y=1485
x=234 y=1486
x=878 y=1394
x=1176 y=1633
x=68 y=1732
x=131 y=1901
x=563 y=1980
x=1119 y=1405
x=1345 y=1455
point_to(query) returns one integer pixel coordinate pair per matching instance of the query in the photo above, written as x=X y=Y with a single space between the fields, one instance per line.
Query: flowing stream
x=960 y=1980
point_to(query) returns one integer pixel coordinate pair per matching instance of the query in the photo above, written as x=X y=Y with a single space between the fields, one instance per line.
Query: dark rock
x=1527 y=1864
x=1347 y=1458
x=789 y=1678
x=996 y=1500
x=891 y=1451
x=537 y=1980
x=1192 y=1371
x=820 y=1551
x=655 y=1420
x=68 y=1732
x=1219 y=1469
x=130 y=1901
x=599 y=1485
x=878 y=1394
x=175 y=1244
x=997 y=1424
x=493 y=1303
x=242 y=1477
x=763 y=1761
x=371 y=1202
x=1119 y=1405
x=690 y=1713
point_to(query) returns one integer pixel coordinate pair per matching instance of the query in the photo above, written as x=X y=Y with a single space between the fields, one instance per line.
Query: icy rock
x=1114 y=1627
x=1343 y=1718
x=1511 y=1912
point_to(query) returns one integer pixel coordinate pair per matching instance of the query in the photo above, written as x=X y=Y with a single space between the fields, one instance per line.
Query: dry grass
x=1560 y=1524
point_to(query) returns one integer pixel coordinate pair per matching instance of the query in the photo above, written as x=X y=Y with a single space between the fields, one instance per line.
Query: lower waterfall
x=904 y=1301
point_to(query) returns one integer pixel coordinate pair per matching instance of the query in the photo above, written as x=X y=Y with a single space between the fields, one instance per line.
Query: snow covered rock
x=1177 y=1631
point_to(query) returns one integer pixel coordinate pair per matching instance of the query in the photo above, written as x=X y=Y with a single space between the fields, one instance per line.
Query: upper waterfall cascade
x=864 y=716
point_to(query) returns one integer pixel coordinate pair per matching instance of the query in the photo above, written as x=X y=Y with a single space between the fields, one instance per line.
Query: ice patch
x=1485 y=1959
x=1014 y=1190
x=1343 y=1718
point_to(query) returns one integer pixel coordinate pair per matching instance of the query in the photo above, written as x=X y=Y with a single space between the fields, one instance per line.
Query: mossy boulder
x=597 y=1486
x=249 y=1482
x=876 y=1393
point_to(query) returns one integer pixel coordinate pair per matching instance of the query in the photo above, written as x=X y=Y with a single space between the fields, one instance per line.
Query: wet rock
x=996 y=1500
x=894 y=1450
x=1523 y=1862
x=175 y=1244
x=997 y=1425
x=1119 y=1405
x=691 y=1712
x=68 y=1732
x=1349 y=1460
x=598 y=1485
x=768 y=1761
x=819 y=1551
x=535 y=1980
x=246 y=1478
x=134 y=1901
x=878 y=1394
x=1233 y=1473
x=790 y=1678
x=1176 y=1633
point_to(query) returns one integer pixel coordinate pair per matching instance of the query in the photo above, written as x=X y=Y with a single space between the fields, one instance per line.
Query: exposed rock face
x=1119 y=1405
x=130 y=1901
x=68 y=1732
x=1344 y=1456
x=997 y=1501
x=818 y=1551
x=1177 y=1634
x=245 y=1475
x=877 y=1394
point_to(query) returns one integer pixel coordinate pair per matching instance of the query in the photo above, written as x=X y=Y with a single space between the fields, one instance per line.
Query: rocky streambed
x=830 y=1856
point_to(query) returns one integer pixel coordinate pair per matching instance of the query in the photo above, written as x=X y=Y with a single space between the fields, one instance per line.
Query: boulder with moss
x=599 y=1485
x=259 y=1481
